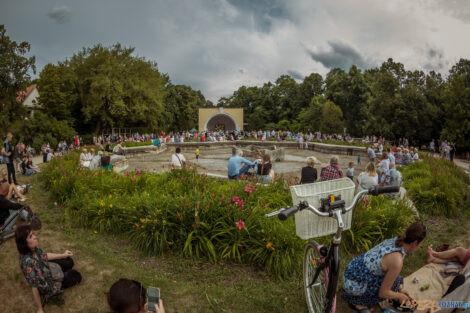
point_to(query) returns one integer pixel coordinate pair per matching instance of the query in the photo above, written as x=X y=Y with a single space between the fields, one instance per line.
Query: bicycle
x=321 y=264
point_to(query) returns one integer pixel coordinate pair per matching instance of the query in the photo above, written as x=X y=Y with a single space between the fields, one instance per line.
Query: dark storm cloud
x=339 y=55
x=264 y=12
x=295 y=75
x=60 y=15
x=435 y=60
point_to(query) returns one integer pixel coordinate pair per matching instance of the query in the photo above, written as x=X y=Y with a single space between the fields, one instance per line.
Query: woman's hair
x=310 y=160
x=384 y=155
x=415 y=232
x=21 y=234
x=178 y=150
x=351 y=163
x=370 y=169
x=126 y=296
x=266 y=160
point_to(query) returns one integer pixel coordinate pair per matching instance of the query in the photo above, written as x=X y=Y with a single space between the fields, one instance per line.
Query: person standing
x=371 y=153
x=350 y=171
x=452 y=151
x=432 y=147
x=8 y=157
x=197 y=154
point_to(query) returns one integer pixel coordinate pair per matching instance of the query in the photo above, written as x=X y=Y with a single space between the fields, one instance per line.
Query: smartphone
x=153 y=297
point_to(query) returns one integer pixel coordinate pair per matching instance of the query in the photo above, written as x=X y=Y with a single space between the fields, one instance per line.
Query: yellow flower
x=136 y=225
x=435 y=194
x=95 y=232
x=110 y=205
x=270 y=246
x=102 y=203
x=110 y=196
x=142 y=220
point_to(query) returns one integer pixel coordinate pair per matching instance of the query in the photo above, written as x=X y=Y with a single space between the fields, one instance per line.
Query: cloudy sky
x=218 y=45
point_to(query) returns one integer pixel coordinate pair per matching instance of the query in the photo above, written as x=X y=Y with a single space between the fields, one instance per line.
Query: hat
x=100 y=152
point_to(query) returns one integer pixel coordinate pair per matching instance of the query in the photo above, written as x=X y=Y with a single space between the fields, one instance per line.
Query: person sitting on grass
x=368 y=178
x=374 y=276
x=458 y=254
x=128 y=296
x=95 y=162
x=36 y=266
x=30 y=165
x=25 y=170
x=234 y=165
x=106 y=162
x=50 y=155
x=7 y=190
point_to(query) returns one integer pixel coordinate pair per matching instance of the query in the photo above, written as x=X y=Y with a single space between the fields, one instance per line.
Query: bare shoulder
x=392 y=260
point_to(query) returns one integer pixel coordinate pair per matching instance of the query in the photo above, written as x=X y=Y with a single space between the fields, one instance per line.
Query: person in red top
x=331 y=171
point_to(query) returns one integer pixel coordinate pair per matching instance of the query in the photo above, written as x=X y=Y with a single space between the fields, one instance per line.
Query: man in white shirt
x=178 y=159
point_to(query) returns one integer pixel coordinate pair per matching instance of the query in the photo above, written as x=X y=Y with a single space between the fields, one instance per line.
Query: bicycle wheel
x=315 y=294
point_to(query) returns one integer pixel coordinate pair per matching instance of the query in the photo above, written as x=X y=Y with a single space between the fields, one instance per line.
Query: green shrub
x=438 y=187
x=184 y=212
x=376 y=219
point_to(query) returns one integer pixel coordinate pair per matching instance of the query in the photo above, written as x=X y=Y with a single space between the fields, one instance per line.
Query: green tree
x=182 y=104
x=311 y=116
x=15 y=69
x=103 y=87
x=457 y=105
x=332 y=118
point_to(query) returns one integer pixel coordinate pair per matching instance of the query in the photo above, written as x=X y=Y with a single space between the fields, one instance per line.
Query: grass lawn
x=186 y=285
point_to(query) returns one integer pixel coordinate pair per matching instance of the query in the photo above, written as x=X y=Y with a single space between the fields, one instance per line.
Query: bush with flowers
x=182 y=211
x=438 y=187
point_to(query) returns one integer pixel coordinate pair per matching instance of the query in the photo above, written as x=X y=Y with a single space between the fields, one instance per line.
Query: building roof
x=22 y=95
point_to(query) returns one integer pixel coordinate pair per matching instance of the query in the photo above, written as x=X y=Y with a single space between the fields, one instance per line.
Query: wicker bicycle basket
x=309 y=225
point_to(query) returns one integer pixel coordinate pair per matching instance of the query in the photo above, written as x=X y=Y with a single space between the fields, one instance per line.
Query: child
x=350 y=171
x=197 y=154
x=358 y=159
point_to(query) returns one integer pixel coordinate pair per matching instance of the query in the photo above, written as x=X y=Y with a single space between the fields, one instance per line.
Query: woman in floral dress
x=374 y=276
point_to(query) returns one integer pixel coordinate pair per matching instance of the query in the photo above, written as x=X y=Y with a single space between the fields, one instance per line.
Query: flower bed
x=133 y=144
x=184 y=212
x=438 y=187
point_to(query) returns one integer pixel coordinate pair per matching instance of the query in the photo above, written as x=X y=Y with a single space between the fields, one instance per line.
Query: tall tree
x=15 y=70
x=182 y=103
x=457 y=105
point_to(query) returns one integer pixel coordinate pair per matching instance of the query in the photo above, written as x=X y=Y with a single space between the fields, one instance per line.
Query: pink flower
x=248 y=189
x=132 y=178
x=127 y=174
x=235 y=199
x=240 y=224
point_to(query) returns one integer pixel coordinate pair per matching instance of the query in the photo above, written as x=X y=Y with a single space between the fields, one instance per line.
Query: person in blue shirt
x=234 y=165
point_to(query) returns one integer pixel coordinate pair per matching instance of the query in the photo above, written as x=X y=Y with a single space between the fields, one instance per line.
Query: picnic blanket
x=428 y=274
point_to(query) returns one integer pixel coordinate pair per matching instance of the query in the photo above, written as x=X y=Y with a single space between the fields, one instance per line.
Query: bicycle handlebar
x=288 y=212
x=285 y=213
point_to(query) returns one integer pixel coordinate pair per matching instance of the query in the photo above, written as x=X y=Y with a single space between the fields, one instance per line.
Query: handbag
x=183 y=163
x=56 y=271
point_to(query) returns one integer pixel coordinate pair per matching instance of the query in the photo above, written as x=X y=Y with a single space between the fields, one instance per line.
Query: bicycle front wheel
x=315 y=292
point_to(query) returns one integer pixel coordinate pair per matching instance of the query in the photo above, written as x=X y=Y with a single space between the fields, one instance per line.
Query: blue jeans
x=11 y=220
x=242 y=171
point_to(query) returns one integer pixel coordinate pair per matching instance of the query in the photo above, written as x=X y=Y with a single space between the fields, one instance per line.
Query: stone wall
x=314 y=146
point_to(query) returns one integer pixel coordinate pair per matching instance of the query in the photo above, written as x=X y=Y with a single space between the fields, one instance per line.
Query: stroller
x=11 y=211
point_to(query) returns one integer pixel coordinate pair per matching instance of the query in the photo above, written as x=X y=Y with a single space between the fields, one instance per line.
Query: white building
x=29 y=98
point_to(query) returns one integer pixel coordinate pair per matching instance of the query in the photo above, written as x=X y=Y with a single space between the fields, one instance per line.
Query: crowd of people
x=368 y=279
